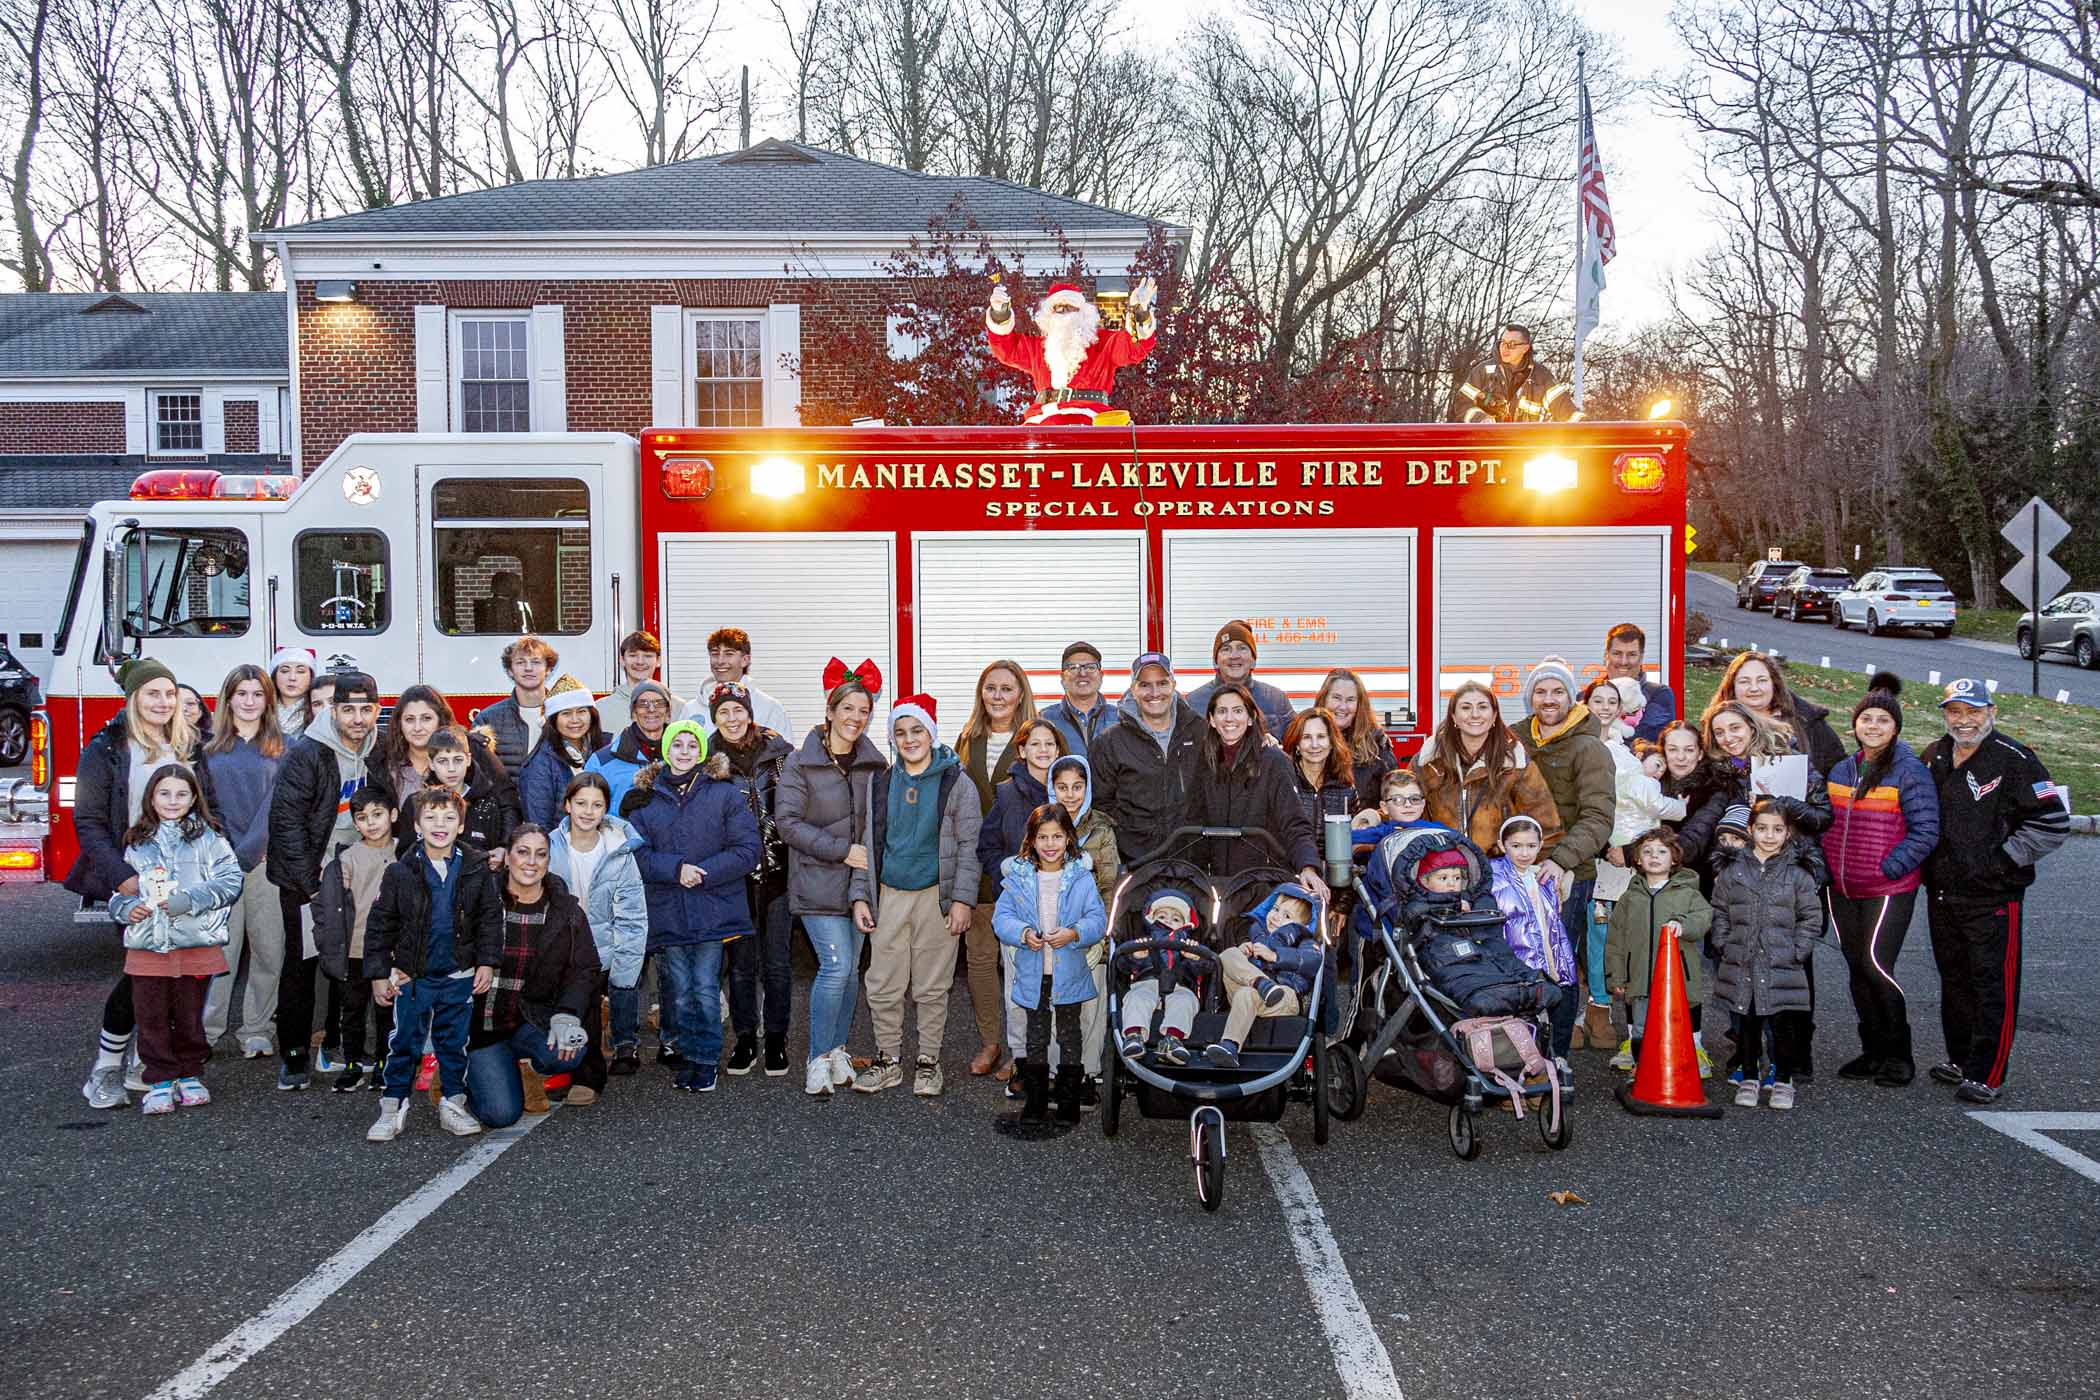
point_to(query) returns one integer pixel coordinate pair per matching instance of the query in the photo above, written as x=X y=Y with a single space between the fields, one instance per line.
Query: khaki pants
x=1240 y=976
x=911 y=951
x=987 y=994
x=255 y=922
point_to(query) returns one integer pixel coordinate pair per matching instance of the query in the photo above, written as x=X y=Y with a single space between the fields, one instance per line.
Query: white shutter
x=550 y=392
x=269 y=437
x=1024 y=597
x=1316 y=599
x=784 y=366
x=803 y=598
x=433 y=390
x=136 y=439
x=1505 y=598
x=667 y=370
x=211 y=407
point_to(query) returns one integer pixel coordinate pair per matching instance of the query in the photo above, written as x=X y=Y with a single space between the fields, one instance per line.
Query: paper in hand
x=1785 y=776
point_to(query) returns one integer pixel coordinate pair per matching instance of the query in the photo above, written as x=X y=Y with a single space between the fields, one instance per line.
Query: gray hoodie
x=350 y=775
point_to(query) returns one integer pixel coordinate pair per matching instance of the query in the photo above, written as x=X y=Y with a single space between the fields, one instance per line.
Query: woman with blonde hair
x=1757 y=682
x=1002 y=705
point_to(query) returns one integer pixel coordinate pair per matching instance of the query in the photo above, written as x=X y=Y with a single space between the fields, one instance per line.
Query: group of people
x=477 y=913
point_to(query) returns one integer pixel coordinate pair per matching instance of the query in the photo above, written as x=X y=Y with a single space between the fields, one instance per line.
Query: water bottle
x=1341 y=869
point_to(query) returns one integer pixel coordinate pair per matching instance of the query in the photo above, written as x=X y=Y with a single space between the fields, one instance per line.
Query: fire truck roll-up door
x=1316 y=599
x=979 y=596
x=804 y=598
x=1507 y=597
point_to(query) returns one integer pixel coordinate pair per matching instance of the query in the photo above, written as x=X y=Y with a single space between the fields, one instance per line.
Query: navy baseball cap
x=1151 y=658
x=1967 y=690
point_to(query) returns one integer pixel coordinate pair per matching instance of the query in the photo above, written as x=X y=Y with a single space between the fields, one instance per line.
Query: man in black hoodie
x=1145 y=763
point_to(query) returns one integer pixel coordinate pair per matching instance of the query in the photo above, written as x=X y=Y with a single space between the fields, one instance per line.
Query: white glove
x=1141 y=299
x=567 y=1037
x=1002 y=303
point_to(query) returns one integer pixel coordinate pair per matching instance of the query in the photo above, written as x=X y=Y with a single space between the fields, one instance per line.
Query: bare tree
x=901 y=45
x=659 y=70
x=27 y=25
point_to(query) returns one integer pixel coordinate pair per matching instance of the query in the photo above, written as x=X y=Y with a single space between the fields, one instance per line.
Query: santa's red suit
x=1075 y=396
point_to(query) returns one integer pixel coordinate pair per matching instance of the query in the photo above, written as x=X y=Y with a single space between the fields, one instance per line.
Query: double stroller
x=1443 y=1008
x=1284 y=1058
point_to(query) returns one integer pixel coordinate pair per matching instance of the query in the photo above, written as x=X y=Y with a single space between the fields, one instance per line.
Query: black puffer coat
x=1767 y=917
x=757 y=768
x=397 y=931
x=1145 y=791
x=1258 y=788
x=552 y=969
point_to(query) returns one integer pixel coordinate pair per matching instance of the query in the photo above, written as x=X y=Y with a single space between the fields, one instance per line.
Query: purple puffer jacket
x=1520 y=925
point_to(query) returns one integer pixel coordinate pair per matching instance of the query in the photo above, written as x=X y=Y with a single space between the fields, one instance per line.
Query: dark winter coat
x=704 y=822
x=1814 y=736
x=1731 y=788
x=999 y=835
x=960 y=828
x=492 y=812
x=102 y=811
x=1256 y=789
x=821 y=815
x=1767 y=916
x=397 y=931
x=755 y=769
x=1329 y=799
x=545 y=778
x=552 y=971
x=1369 y=772
x=508 y=731
x=1299 y=956
x=1637 y=921
x=310 y=792
x=1143 y=790
x=1879 y=837
x=1583 y=780
x=1999 y=815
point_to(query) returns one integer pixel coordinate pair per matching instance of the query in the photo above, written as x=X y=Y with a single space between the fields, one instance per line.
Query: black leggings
x=119 y=1019
x=1039 y=1024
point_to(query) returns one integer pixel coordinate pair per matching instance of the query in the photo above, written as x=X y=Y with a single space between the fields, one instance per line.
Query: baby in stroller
x=1156 y=977
x=1271 y=974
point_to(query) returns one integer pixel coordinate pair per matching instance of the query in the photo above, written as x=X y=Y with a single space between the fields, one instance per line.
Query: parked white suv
x=1886 y=598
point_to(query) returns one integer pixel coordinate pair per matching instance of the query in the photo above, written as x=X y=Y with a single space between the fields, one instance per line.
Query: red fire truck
x=1418 y=555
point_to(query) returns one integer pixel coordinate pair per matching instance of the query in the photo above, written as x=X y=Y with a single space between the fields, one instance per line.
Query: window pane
x=185 y=583
x=341 y=581
x=728 y=373
x=499 y=578
x=494 y=379
x=178 y=422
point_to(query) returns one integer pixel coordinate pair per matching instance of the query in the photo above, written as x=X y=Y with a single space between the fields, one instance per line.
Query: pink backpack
x=1476 y=1035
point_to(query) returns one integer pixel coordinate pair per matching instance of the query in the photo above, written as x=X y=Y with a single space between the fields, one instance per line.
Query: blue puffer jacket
x=1078 y=908
x=1544 y=946
x=545 y=779
x=198 y=877
x=701 y=821
x=621 y=761
x=1298 y=955
x=617 y=904
x=999 y=838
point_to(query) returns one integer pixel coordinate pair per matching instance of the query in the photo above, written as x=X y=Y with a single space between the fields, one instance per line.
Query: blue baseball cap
x=1151 y=658
x=1967 y=690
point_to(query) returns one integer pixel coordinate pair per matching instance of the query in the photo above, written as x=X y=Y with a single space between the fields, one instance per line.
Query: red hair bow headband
x=866 y=675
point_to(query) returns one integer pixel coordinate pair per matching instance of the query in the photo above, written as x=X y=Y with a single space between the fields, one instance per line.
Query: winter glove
x=178 y=903
x=566 y=1038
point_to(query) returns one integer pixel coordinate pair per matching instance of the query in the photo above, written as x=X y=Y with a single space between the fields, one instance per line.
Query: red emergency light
x=175 y=484
x=1641 y=473
x=688 y=478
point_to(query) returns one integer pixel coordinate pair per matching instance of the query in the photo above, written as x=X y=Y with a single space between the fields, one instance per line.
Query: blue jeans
x=768 y=952
x=1588 y=936
x=440 y=1007
x=626 y=1019
x=494 y=1090
x=835 y=994
x=692 y=974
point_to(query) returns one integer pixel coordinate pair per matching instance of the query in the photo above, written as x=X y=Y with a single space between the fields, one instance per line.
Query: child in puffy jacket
x=1050 y=913
x=1271 y=974
x=1662 y=894
x=1528 y=891
x=175 y=931
x=1162 y=977
x=1767 y=915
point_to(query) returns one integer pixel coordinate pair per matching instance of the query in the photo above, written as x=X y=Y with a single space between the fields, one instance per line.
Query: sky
x=1649 y=160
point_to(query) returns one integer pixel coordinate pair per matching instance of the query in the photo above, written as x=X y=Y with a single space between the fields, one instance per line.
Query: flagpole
x=1582 y=102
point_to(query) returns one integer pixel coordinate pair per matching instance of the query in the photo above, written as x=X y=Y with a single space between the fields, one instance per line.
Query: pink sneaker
x=191 y=1093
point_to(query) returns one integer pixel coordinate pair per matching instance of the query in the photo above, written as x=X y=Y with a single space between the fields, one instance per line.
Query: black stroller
x=1284 y=1058
x=1403 y=1027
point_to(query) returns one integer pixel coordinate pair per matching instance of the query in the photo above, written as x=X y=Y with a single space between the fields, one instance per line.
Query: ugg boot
x=1597 y=1027
x=535 y=1087
x=1068 y=1081
x=1035 y=1092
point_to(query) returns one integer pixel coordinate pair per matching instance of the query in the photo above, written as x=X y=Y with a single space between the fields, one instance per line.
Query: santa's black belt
x=1071 y=396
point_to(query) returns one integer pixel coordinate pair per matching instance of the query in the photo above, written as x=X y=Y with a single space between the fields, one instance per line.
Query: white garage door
x=1316 y=599
x=1024 y=597
x=803 y=598
x=38 y=573
x=1505 y=598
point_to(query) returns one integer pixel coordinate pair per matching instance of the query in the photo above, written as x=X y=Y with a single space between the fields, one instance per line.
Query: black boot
x=1897 y=1067
x=1867 y=1063
x=776 y=1054
x=1035 y=1092
x=1068 y=1077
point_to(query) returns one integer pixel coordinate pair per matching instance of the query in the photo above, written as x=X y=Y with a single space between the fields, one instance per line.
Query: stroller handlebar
x=1181 y=834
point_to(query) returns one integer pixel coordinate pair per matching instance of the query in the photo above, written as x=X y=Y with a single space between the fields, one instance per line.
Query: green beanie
x=684 y=726
x=135 y=675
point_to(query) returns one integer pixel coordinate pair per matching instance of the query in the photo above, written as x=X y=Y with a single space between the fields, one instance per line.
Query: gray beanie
x=1550 y=668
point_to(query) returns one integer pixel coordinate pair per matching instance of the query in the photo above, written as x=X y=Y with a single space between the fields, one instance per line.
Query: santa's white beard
x=1067 y=336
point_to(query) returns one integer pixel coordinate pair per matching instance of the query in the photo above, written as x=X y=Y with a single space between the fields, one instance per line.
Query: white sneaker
x=841 y=1068
x=1746 y=1094
x=134 y=1072
x=883 y=1072
x=191 y=1093
x=254 y=1047
x=817 y=1078
x=928 y=1082
x=105 y=1088
x=454 y=1118
x=393 y=1117
x=1782 y=1096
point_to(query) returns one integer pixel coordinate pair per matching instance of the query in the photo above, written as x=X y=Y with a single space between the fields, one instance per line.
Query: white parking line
x=2030 y=1128
x=292 y=1306
x=1366 y=1369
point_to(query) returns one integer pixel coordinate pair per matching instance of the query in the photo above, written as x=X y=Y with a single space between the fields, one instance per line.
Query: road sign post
x=2035 y=529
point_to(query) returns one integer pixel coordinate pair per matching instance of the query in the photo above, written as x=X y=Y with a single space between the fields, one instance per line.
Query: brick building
x=666 y=296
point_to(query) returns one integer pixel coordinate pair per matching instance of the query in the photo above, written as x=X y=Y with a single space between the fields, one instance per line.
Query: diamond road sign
x=2020 y=577
x=2019 y=532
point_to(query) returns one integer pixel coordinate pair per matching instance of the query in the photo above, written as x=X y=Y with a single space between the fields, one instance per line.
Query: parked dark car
x=1761 y=580
x=1809 y=592
x=2071 y=623
x=19 y=694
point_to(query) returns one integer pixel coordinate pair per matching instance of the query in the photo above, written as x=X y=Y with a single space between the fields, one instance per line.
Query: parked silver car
x=2071 y=623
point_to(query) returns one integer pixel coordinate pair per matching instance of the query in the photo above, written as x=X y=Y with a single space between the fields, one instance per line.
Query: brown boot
x=985 y=1060
x=1597 y=1027
x=579 y=1095
x=535 y=1088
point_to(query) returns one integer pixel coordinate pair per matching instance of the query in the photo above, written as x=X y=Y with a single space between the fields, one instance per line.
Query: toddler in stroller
x=1271 y=973
x=1159 y=977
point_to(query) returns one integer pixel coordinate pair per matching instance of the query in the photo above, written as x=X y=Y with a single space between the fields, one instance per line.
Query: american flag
x=1595 y=238
x=1589 y=179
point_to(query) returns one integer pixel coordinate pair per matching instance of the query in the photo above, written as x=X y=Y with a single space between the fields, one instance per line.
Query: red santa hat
x=918 y=707
x=1064 y=289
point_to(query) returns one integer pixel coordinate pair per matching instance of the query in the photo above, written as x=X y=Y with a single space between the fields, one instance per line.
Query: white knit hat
x=295 y=656
x=575 y=698
x=1553 y=668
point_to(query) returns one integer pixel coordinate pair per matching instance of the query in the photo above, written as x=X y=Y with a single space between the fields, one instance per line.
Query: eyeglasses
x=1083 y=668
x=651 y=705
x=1408 y=799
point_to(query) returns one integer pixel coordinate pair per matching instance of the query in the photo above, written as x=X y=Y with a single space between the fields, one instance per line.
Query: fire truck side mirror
x=116 y=647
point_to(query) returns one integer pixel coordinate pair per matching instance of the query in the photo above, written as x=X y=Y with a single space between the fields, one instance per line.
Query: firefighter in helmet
x=1513 y=387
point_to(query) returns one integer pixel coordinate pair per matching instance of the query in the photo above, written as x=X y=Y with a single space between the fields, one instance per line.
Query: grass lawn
x=1987 y=624
x=1727 y=573
x=2065 y=737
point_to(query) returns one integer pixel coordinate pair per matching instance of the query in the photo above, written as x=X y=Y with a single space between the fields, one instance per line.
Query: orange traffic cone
x=1667 y=1080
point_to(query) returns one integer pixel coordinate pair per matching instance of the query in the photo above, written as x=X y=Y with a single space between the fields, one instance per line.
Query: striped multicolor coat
x=1878 y=838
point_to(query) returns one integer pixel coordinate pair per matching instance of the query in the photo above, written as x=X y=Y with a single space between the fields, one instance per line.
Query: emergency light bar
x=203 y=484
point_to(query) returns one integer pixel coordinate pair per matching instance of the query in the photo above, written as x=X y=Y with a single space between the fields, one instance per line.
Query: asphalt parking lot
x=756 y=1242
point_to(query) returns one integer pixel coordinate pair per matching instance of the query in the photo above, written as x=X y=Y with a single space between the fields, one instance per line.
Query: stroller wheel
x=1111 y=1094
x=1464 y=1140
x=1207 y=1154
x=1347 y=1089
x=1558 y=1139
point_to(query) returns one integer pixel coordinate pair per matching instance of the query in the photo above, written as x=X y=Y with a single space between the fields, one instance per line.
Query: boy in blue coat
x=1271 y=974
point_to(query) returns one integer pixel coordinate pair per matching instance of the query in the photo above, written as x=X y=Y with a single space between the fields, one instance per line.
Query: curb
x=2085 y=826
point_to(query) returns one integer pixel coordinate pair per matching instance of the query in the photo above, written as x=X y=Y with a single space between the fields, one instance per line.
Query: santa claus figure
x=1073 y=362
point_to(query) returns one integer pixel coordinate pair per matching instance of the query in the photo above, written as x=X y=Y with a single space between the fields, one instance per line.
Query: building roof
x=773 y=187
x=73 y=481
x=86 y=335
